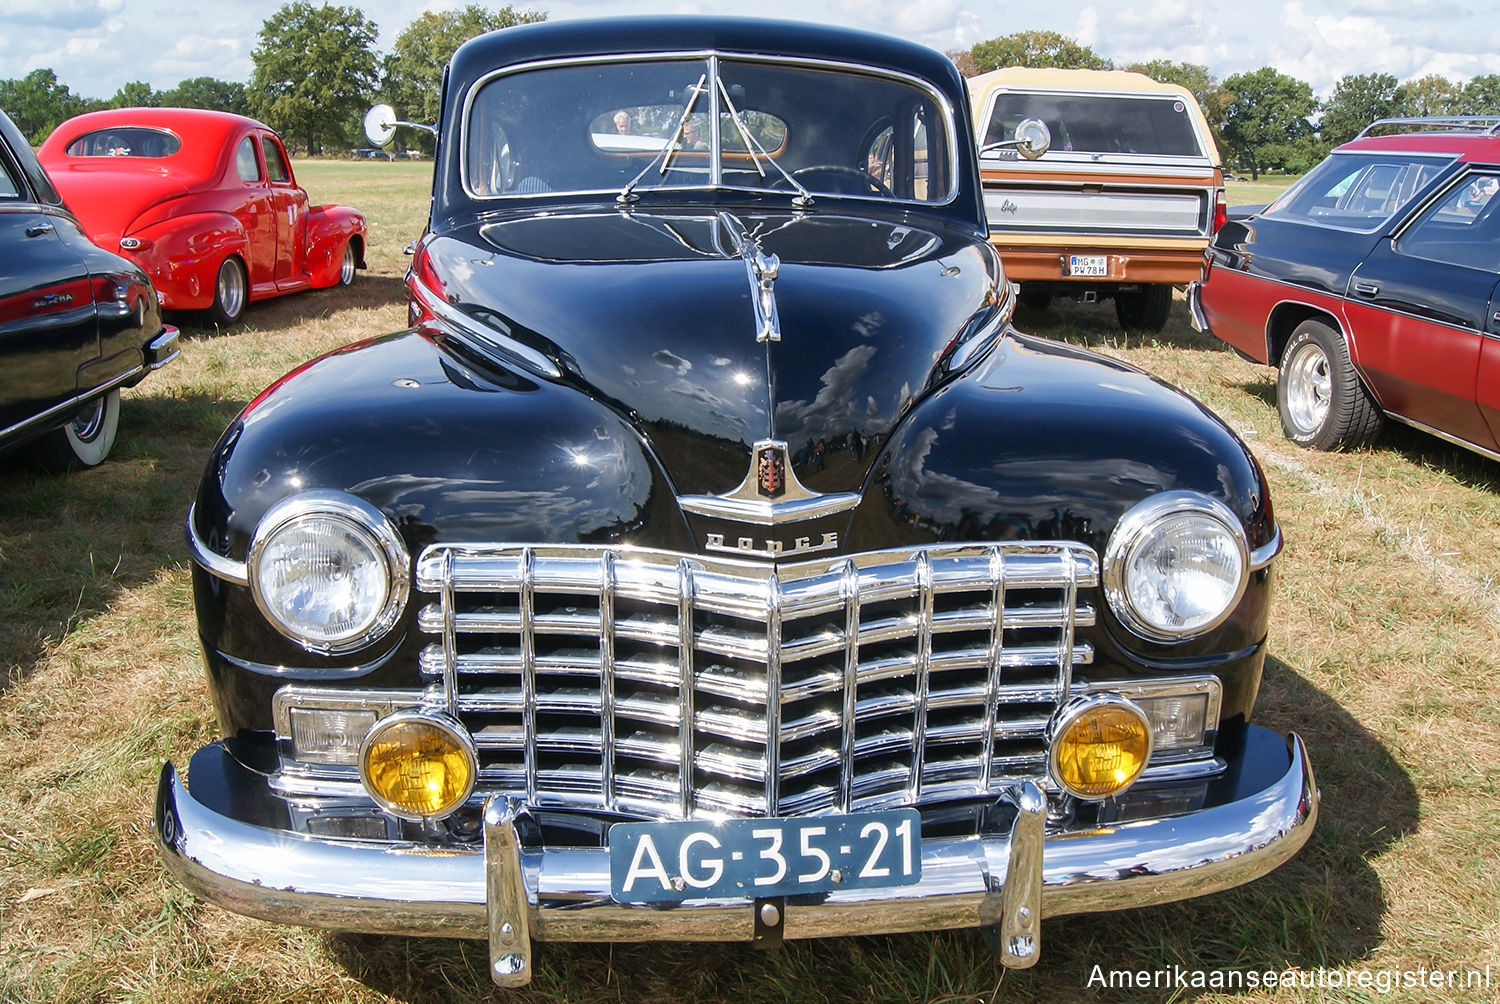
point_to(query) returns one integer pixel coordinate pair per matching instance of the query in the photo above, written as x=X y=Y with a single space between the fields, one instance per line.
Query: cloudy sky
x=95 y=46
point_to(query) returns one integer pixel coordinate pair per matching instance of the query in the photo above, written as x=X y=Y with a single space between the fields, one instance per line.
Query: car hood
x=655 y=313
x=107 y=201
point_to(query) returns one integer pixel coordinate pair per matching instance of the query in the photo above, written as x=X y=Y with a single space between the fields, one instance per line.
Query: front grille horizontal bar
x=669 y=685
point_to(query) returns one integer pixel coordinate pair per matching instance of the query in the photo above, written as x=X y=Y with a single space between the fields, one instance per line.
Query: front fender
x=449 y=448
x=329 y=228
x=182 y=256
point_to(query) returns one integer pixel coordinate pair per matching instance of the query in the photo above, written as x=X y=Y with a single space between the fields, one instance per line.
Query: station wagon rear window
x=721 y=122
x=1157 y=126
x=1358 y=191
x=128 y=141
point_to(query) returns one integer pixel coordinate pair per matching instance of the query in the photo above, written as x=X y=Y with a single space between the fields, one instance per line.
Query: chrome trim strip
x=607 y=588
x=686 y=680
x=1447 y=437
x=922 y=684
x=849 y=586
x=523 y=356
x=211 y=562
x=74 y=403
x=411 y=889
x=745 y=504
x=527 y=597
x=774 y=698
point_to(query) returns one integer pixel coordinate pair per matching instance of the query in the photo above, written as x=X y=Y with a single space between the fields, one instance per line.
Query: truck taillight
x=1221 y=210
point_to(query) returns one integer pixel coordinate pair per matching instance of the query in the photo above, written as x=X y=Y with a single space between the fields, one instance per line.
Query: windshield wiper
x=803 y=198
x=664 y=158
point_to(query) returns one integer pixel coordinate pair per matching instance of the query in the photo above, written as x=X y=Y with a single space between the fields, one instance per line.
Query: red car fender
x=182 y=256
x=328 y=229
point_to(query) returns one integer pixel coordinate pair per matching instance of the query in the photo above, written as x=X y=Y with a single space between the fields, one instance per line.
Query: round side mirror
x=1033 y=138
x=380 y=124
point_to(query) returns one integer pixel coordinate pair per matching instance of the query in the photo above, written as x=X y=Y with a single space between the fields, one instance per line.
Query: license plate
x=1088 y=264
x=705 y=859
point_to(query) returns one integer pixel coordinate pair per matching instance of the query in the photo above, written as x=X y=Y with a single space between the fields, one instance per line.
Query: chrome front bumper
x=510 y=893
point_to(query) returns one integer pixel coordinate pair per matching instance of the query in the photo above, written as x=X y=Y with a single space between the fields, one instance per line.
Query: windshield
x=1155 y=125
x=633 y=127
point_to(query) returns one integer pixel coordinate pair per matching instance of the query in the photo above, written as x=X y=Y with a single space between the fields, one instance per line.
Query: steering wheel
x=845 y=171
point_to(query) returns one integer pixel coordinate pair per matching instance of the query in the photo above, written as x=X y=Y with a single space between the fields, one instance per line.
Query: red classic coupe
x=205 y=202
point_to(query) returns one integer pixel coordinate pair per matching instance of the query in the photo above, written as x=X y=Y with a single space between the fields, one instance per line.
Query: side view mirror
x=1032 y=139
x=381 y=123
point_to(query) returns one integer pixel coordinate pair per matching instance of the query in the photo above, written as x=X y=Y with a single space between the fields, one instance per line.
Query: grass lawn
x=1383 y=657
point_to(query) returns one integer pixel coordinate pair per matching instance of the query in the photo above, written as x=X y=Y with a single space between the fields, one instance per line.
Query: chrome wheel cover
x=1309 y=388
x=346 y=270
x=230 y=289
x=88 y=423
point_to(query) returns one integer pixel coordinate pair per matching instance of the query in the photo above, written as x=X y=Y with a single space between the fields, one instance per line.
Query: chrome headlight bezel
x=1140 y=526
x=366 y=524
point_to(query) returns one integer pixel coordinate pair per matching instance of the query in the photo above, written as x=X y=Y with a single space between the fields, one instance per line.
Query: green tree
x=1204 y=86
x=1481 y=96
x=1359 y=99
x=314 y=72
x=37 y=103
x=1035 y=48
x=1430 y=95
x=207 y=92
x=1266 y=120
x=412 y=74
x=136 y=94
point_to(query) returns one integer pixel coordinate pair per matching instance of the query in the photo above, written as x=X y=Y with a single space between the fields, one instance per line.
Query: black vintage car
x=77 y=323
x=711 y=559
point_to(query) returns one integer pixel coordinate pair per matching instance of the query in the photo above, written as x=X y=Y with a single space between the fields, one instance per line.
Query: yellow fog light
x=1098 y=746
x=418 y=765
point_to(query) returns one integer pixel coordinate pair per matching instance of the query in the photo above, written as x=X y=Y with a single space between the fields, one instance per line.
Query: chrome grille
x=665 y=685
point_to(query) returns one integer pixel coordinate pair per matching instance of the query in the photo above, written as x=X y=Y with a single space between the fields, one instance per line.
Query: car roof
x=1465 y=145
x=205 y=134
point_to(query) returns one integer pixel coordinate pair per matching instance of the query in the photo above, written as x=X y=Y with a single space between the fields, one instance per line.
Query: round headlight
x=418 y=765
x=1175 y=566
x=1097 y=746
x=329 y=571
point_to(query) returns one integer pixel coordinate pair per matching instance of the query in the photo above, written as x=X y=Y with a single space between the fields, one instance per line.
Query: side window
x=9 y=189
x=276 y=167
x=1460 y=228
x=1357 y=191
x=245 y=162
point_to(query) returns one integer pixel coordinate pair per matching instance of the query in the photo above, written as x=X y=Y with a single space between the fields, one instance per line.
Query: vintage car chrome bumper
x=1195 y=307
x=511 y=893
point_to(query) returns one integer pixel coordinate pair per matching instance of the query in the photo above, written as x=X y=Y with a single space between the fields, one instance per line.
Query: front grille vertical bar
x=1065 y=634
x=528 y=667
x=607 y=588
x=849 y=586
x=686 y=642
x=450 y=638
x=924 y=665
x=997 y=650
x=773 y=695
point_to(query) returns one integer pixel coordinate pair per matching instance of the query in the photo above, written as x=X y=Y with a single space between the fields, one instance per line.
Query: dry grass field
x=1383 y=646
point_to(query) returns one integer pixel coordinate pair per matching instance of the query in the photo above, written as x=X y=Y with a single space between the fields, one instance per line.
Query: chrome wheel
x=231 y=292
x=346 y=268
x=1309 y=388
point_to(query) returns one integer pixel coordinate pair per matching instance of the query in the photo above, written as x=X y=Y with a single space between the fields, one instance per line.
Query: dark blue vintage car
x=711 y=559
x=77 y=323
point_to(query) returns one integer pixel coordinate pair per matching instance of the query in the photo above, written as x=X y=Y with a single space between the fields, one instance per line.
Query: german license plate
x=1088 y=264
x=706 y=859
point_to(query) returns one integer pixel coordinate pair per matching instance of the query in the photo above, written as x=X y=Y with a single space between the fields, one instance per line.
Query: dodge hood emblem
x=770 y=471
x=770 y=493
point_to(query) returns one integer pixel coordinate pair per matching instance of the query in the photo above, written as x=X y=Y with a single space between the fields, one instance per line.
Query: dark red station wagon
x=1371 y=284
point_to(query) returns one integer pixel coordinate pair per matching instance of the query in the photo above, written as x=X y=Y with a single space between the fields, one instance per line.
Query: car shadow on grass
x=75 y=541
x=368 y=292
x=1322 y=908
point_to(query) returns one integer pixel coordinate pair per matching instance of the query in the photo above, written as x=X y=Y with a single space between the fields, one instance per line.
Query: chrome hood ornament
x=762 y=270
x=770 y=494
